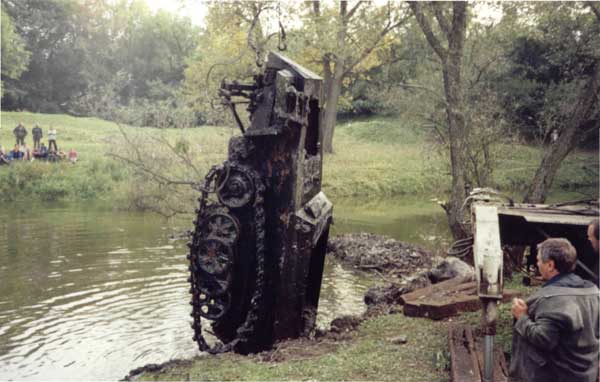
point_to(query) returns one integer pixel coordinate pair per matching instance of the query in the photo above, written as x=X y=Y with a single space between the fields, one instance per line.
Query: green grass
x=376 y=157
x=368 y=355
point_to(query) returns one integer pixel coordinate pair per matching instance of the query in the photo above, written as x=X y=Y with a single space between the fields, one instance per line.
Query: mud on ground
x=371 y=252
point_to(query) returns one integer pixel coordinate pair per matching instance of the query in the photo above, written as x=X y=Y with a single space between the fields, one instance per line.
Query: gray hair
x=561 y=251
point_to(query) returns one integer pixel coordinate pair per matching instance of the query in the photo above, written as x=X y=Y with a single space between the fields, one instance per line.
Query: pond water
x=90 y=293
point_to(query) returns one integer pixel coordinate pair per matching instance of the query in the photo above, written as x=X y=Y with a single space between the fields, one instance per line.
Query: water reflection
x=88 y=293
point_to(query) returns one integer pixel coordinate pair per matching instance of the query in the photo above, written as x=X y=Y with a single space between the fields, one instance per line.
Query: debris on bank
x=371 y=252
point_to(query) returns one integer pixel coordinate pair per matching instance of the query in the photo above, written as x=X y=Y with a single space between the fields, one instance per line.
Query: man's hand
x=519 y=308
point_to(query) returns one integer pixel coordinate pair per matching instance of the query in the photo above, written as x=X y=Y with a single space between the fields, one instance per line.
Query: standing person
x=556 y=332
x=20 y=133
x=52 y=138
x=37 y=134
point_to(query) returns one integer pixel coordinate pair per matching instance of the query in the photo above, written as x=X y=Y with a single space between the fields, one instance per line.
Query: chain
x=247 y=328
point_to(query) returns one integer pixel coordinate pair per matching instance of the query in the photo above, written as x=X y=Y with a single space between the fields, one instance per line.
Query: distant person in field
x=20 y=133
x=23 y=151
x=52 y=157
x=61 y=155
x=16 y=153
x=52 y=139
x=37 y=134
x=26 y=153
x=73 y=156
x=35 y=154
x=43 y=151
x=3 y=156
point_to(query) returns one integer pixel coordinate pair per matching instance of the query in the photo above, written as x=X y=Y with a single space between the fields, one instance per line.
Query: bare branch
x=138 y=163
x=438 y=11
x=365 y=53
x=595 y=8
x=440 y=97
x=156 y=176
x=426 y=27
x=185 y=158
x=354 y=9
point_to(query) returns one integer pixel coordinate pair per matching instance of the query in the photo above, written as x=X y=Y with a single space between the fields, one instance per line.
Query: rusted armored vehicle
x=258 y=247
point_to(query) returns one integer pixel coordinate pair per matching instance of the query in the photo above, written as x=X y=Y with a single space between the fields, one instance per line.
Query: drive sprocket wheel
x=236 y=188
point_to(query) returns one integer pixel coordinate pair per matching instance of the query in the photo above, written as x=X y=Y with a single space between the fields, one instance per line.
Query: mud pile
x=371 y=252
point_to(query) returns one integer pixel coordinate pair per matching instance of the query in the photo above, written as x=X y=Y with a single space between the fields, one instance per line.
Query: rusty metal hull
x=259 y=243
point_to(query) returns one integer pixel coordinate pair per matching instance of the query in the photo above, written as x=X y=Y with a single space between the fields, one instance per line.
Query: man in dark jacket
x=556 y=332
x=37 y=134
x=20 y=133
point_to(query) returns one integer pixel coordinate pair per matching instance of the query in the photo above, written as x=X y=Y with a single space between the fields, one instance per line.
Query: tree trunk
x=334 y=86
x=454 y=31
x=574 y=132
x=334 y=89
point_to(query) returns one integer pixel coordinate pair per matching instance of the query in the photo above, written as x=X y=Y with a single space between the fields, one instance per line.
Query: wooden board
x=466 y=355
x=440 y=301
x=463 y=355
x=420 y=293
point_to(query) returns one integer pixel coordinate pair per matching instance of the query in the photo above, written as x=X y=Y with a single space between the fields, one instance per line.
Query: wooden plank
x=438 y=306
x=463 y=357
x=419 y=293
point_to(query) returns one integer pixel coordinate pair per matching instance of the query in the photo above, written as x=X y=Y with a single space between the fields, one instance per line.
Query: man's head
x=556 y=256
x=593 y=234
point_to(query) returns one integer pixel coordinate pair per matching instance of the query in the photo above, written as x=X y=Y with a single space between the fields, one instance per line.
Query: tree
x=231 y=47
x=15 y=56
x=356 y=34
x=448 y=45
x=572 y=104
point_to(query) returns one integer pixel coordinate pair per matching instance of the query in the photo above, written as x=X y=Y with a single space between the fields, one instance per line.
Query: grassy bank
x=376 y=157
x=368 y=354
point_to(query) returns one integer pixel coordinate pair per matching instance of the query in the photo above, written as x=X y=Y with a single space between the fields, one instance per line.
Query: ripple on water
x=105 y=301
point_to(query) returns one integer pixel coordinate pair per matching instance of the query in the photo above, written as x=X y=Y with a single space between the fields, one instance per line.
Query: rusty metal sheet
x=576 y=214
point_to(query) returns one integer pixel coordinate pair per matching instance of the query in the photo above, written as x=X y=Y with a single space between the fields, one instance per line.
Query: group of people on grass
x=21 y=152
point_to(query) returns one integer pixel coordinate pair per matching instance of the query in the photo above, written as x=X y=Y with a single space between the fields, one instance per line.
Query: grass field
x=373 y=157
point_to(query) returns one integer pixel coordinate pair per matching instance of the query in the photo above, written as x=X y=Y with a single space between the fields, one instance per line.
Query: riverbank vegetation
x=376 y=157
x=477 y=82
